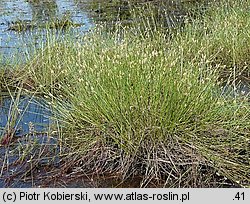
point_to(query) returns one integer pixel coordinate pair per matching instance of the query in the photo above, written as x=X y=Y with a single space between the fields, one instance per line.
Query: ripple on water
x=12 y=42
x=33 y=148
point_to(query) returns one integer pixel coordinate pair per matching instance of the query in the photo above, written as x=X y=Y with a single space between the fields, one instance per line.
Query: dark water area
x=33 y=157
x=33 y=114
x=28 y=119
x=240 y=90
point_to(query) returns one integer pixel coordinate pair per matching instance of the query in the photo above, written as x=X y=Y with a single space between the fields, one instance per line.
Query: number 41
x=240 y=196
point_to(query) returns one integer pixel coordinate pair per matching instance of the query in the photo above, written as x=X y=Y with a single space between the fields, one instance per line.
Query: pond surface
x=28 y=120
x=17 y=17
x=37 y=12
x=31 y=114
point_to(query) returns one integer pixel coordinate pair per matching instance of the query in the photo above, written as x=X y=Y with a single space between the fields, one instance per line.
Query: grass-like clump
x=221 y=36
x=149 y=102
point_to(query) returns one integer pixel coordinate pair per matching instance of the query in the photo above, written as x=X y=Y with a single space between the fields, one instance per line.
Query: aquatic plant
x=56 y=23
x=147 y=102
x=140 y=108
x=221 y=34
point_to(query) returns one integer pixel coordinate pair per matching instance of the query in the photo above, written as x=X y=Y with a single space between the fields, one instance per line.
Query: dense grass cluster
x=149 y=103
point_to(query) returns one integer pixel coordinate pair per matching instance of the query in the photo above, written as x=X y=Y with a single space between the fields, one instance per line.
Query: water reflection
x=43 y=10
x=168 y=12
x=105 y=10
x=31 y=146
x=30 y=112
x=82 y=12
x=13 y=43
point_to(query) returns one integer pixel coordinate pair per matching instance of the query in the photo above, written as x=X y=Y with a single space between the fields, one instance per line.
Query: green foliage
x=149 y=102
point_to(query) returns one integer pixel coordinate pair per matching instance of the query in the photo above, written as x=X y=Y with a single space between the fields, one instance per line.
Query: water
x=12 y=11
x=240 y=90
x=32 y=113
x=32 y=158
x=83 y=13
x=30 y=120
